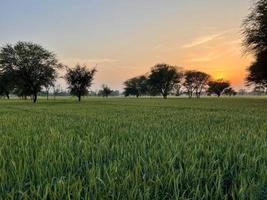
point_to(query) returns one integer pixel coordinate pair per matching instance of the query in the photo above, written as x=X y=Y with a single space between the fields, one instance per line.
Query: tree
x=163 y=78
x=255 y=29
x=136 y=86
x=242 y=92
x=32 y=66
x=255 y=41
x=218 y=87
x=79 y=80
x=258 y=71
x=259 y=90
x=105 y=91
x=195 y=82
x=6 y=84
x=230 y=92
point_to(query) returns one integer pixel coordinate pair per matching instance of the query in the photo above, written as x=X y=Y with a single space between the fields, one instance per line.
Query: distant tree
x=218 y=87
x=32 y=66
x=163 y=78
x=6 y=83
x=230 y=92
x=242 y=92
x=178 y=89
x=255 y=41
x=136 y=86
x=115 y=93
x=259 y=90
x=195 y=82
x=105 y=91
x=79 y=80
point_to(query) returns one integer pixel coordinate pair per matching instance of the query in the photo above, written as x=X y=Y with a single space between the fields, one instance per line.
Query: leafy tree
x=178 y=89
x=195 y=82
x=6 y=84
x=242 y=92
x=255 y=41
x=32 y=67
x=105 y=91
x=230 y=92
x=258 y=71
x=255 y=29
x=115 y=93
x=218 y=87
x=136 y=86
x=259 y=90
x=163 y=78
x=79 y=80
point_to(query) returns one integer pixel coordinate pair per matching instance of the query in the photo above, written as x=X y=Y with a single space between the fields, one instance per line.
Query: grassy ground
x=119 y=148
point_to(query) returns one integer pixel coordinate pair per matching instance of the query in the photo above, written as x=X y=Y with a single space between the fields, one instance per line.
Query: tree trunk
x=35 y=98
x=165 y=96
x=79 y=98
x=47 y=94
x=7 y=95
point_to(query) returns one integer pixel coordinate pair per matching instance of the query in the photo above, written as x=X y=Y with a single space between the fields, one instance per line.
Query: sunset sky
x=125 y=38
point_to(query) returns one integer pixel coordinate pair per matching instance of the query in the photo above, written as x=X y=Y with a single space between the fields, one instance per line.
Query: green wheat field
x=127 y=148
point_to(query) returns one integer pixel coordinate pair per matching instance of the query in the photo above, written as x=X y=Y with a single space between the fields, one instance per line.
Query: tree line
x=164 y=80
x=27 y=68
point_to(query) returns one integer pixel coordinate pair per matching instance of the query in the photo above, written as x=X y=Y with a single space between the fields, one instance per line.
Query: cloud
x=205 y=58
x=203 y=40
x=89 y=61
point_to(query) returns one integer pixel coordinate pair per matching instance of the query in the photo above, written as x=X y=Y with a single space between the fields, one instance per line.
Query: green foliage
x=136 y=86
x=195 y=82
x=29 y=66
x=255 y=41
x=79 y=80
x=258 y=71
x=218 y=87
x=255 y=28
x=105 y=91
x=230 y=92
x=121 y=148
x=163 y=78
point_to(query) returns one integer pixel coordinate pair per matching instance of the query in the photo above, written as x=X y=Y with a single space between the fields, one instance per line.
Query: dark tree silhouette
x=32 y=66
x=105 y=91
x=230 y=92
x=79 y=80
x=6 y=83
x=258 y=71
x=136 y=86
x=218 y=87
x=195 y=82
x=163 y=78
x=255 y=41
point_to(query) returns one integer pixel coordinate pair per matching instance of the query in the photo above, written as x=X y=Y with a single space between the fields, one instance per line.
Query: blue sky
x=126 y=38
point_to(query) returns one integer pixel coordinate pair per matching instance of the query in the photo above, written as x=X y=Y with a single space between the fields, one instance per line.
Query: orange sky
x=126 y=38
x=219 y=53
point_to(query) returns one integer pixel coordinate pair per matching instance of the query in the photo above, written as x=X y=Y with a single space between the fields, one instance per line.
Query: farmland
x=127 y=148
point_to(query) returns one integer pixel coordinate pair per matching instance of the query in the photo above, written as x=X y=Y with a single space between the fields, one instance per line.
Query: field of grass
x=120 y=148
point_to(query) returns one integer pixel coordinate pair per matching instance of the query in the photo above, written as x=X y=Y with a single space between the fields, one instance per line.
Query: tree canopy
x=29 y=66
x=255 y=41
x=195 y=82
x=105 y=91
x=136 y=86
x=163 y=78
x=218 y=87
x=79 y=80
